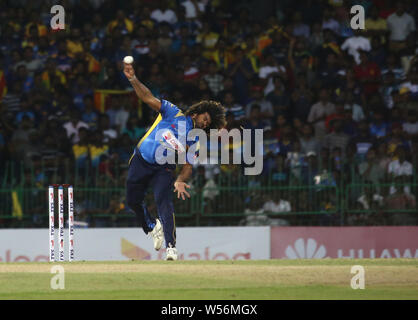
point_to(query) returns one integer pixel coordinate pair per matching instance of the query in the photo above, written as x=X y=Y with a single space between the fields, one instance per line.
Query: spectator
x=319 y=112
x=308 y=142
x=20 y=138
x=241 y=72
x=122 y=116
x=98 y=149
x=395 y=139
x=286 y=140
x=164 y=14
x=300 y=29
x=400 y=171
x=25 y=78
x=89 y=115
x=123 y=150
x=301 y=99
x=401 y=25
x=25 y=111
x=392 y=65
x=133 y=129
x=234 y=108
x=328 y=21
x=368 y=73
x=278 y=99
x=296 y=160
x=184 y=38
x=378 y=52
x=208 y=38
x=74 y=45
x=410 y=127
x=165 y=38
x=379 y=128
x=109 y=134
x=269 y=71
x=279 y=174
x=402 y=202
x=140 y=41
x=337 y=138
x=372 y=172
x=356 y=111
x=277 y=206
x=329 y=73
x=356 y=43
x=121 y=23
x=376 y=26
x=81 y=149
x=388 y=88
x=194 y=8
x=31 y=64
x=63 y=60
x=214 y=79
x=278 y=125
x=363 y=141
x=317 y=37
x=258 y=99
x=73 y=126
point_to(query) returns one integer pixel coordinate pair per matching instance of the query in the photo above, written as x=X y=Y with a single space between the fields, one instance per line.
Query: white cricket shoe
x=171 y=254
x=157 y=235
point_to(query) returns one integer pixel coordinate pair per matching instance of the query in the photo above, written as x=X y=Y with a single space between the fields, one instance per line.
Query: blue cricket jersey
x=170 y=129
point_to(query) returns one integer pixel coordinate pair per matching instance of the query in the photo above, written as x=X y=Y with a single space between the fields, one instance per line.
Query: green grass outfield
x=206 y=280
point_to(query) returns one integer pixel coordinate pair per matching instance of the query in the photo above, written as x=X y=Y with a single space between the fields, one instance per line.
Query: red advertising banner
x=344 y=242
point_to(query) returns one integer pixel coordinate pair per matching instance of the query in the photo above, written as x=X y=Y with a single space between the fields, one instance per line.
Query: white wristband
x=132 y=79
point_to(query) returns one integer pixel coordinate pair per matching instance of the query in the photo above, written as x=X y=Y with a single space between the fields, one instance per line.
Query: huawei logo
x=305 y=250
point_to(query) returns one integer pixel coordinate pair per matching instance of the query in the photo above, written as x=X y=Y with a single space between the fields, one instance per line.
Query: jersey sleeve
x=168 y=110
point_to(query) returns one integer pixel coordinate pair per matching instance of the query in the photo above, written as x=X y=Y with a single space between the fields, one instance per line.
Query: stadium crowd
x=335 y=104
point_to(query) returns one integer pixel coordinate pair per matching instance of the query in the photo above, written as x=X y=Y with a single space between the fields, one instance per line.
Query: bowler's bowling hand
x=180 y=188
x=128 y=70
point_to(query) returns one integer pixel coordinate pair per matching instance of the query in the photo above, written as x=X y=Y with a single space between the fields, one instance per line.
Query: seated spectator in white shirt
x=400 y=170
x=356 y=43
x=164 y=14
x=277 y=206
x=73 y=126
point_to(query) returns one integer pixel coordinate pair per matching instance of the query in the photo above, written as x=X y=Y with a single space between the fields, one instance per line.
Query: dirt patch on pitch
x=254 y=274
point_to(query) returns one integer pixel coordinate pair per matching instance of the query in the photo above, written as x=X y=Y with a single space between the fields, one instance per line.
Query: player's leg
x=163 y=193
x=137 y=183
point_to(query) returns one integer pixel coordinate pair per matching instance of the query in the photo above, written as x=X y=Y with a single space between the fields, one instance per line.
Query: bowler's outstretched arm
x=141 y=90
